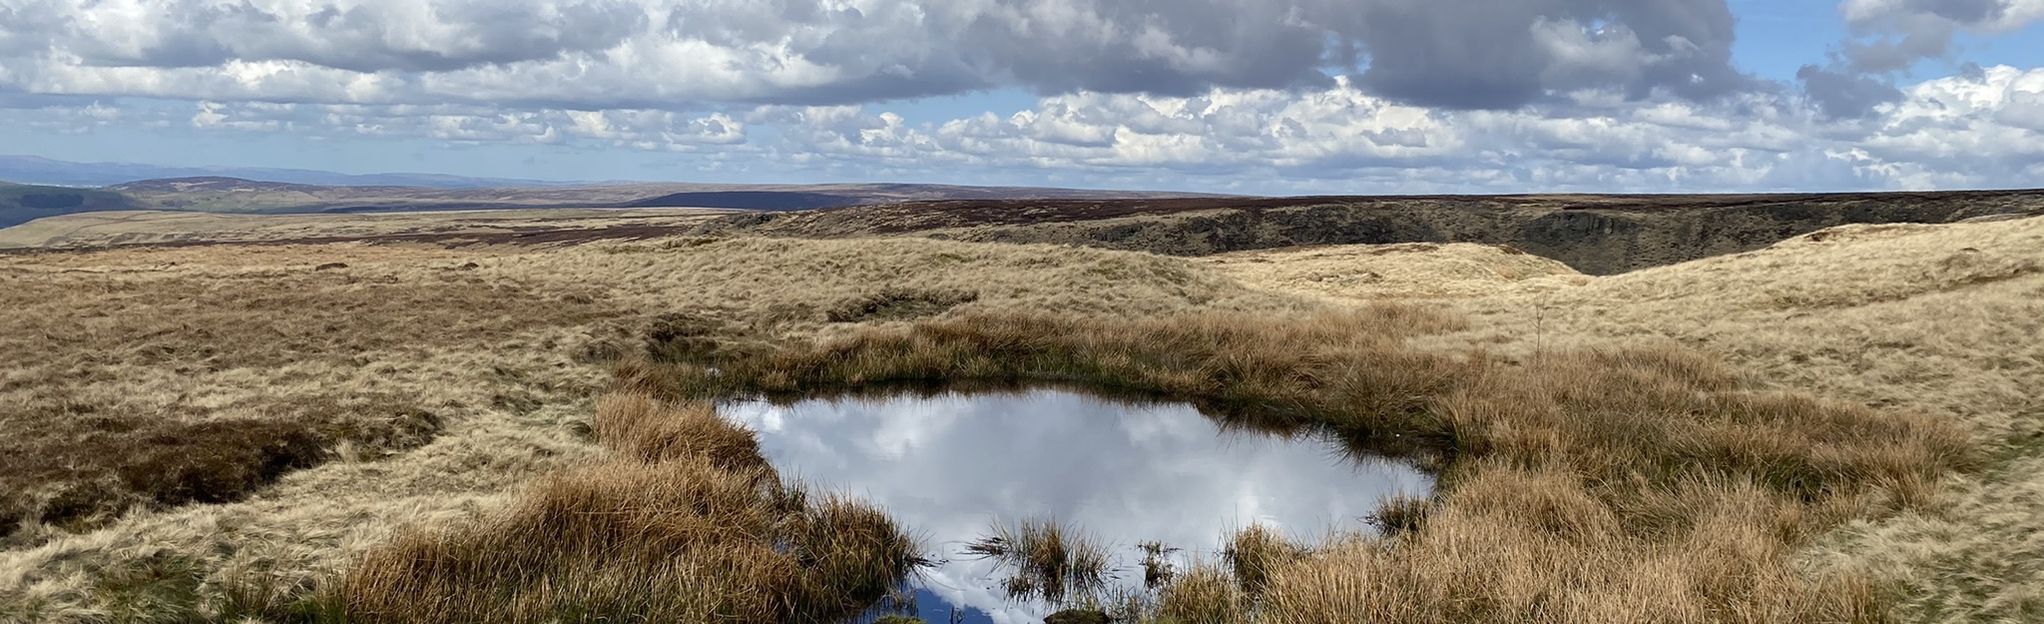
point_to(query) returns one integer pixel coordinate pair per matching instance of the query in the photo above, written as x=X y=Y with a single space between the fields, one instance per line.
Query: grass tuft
x=1045 y=560
x=1204 y=594
x=685 y=524
x=1255 y=552
x=897 y=304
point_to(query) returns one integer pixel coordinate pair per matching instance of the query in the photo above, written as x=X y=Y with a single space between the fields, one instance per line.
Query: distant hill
x=1596 y=234
x=21 y=203
x=226 y=194
x=38 y=170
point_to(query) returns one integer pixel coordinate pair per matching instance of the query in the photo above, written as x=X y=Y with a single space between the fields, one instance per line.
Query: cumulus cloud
x=1845 y=94
x=1973 y=130
x=1480 y=54
x=644 y=129
x=595 y=54
x=1892 y=35
x=1295 y=95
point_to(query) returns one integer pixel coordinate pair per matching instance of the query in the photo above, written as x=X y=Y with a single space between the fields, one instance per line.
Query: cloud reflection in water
x=948 y=466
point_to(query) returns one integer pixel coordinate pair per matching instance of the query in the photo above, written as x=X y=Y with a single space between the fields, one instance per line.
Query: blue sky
x=1314 y=96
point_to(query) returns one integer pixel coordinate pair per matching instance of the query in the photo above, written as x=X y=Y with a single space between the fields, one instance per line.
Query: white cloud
x=1950 y=132
x=679 y=54
x=1320 y=96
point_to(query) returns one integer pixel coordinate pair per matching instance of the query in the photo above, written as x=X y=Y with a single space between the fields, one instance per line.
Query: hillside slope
x=1946 y=320
x=20 y=203
x=1598 y=234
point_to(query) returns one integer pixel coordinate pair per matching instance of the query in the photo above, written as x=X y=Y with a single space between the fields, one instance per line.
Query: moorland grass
x=1636 y=485
x=1044 y=560
x=685 y=523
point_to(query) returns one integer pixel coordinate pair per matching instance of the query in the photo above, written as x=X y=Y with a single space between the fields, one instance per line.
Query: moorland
x=1651 y=408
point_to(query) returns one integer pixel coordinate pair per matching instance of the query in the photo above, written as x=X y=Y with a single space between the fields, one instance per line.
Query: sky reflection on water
x=949 y=465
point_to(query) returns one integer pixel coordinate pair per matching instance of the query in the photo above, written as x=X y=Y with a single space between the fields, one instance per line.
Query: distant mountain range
x=32 y=188
x=38 y=170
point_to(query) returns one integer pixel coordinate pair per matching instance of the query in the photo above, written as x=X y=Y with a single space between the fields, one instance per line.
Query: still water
x=949 y=466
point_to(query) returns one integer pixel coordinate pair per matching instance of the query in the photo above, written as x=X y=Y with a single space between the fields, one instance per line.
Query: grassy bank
x=685 y=523
x=1647 y=484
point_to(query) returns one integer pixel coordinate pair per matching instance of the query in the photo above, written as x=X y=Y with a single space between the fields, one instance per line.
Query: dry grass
x=1045 y=561
x=1712 y=495
x=1575 y=474
x=1204 y=594
x=159 y=386
x=1526 y=545
x=1254 y=553
x=504 y=347
x=1393 y=272
x=688 y=524
x=142 y=227
x=1940 y=321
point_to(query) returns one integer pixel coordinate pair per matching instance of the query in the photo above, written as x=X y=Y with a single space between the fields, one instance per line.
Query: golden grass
x=144 y=227
x=688 y=524
x=504 y=347
x=1203 y=594
x=1575 y=474
x=144 y=386
x=1940 y=321
x=1533 y=545
x=1935 y=323
x=1045 y=561
x=1254 y=553
x=1393 y=272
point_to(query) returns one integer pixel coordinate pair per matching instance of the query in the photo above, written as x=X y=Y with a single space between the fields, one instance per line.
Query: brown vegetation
x=1689 y=493
x=1044 y=560
x=1575 y=474
x=504 y=348
x=687 y=524
x=106 y=399
x=1597 y=234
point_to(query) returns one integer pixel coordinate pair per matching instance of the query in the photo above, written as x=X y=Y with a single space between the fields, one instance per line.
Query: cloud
x=679 y=54
x=1249 y=95
x=642 y=129
x=1892 y=35
x=1968 y=130
x=1983 y=127
x=1845 y=94
x=1479 y=54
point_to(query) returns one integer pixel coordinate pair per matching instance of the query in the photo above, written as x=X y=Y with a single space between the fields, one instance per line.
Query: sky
x=1242 y=96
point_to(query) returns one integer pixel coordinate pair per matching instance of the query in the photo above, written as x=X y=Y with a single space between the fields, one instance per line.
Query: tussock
x=1254 y=553
x=1045 y=560
x=687 y=525
x=1204 y=594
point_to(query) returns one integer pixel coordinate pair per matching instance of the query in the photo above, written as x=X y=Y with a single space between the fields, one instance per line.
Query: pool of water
x=949 y=466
